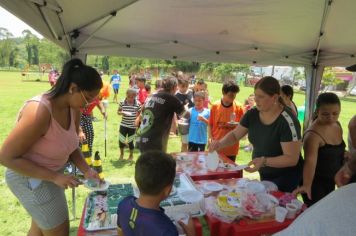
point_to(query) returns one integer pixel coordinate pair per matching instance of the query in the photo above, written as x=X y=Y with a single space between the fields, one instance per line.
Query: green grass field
x=13 y=92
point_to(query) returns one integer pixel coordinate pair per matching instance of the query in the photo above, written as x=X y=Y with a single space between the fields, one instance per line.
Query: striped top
x=130 y=113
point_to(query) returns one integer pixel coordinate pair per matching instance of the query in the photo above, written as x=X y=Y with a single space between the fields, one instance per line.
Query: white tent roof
x=264 y=32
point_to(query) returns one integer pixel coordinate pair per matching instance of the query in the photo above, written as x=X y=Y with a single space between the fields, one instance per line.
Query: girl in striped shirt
x=129 y=109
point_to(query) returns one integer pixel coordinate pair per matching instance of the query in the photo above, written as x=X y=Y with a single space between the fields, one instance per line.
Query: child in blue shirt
x=154 y=175
x=115 y=82
x=198 y=124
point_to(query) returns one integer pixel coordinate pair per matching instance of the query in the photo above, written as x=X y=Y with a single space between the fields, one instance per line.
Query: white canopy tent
x=309 y=33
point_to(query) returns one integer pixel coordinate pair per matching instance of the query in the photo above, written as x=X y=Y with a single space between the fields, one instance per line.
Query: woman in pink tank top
x=44 y=138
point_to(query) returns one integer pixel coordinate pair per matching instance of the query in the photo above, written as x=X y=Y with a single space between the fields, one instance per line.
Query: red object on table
x=196 y=169
x=244 y=226
x=83 y=232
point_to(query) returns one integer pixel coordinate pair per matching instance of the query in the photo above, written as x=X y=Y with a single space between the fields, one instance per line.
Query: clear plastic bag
x=258 y=205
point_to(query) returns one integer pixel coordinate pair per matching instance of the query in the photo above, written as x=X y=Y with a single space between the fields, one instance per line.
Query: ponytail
x=281 y=101
x=75 y=71
x=325 y=99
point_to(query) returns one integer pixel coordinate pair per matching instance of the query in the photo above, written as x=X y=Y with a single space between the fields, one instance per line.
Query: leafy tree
x=35 y=59
x=13 y=57
x=51 y=53
x=6 y=46
x=226 y=71
x=105 y=65
x=31 y=42
x=329 y=77
x=186 y=66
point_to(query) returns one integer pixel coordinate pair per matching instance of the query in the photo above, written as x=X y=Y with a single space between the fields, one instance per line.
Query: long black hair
x=288 y=91
x=325 y=99
x=75 y=71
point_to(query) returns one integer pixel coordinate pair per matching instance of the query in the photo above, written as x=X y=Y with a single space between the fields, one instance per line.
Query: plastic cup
x=298 y=203
x=292 y=210
x=281 y=213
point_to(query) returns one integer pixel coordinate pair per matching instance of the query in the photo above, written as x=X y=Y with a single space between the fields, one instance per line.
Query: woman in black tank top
x=324 y=150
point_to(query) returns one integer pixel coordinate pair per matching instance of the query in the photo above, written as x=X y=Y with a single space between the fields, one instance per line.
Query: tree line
x=28 y=52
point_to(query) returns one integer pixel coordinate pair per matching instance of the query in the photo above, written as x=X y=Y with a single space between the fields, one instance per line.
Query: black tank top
x=330 y=158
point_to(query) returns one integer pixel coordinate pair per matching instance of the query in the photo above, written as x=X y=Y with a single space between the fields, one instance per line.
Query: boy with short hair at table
x=224 y=117
x=198 y=124
x=154 y=175
x=185 y=96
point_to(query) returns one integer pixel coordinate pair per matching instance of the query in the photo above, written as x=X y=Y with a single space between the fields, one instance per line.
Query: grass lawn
x=13 y=92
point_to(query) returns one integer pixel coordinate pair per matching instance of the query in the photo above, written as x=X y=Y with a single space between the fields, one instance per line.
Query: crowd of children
x=197 y=114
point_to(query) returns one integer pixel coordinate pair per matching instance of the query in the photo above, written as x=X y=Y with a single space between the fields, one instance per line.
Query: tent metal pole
x=96 y=30
x=73 y=195
x=65 y=35
x=315 y=71
x=47 y=22
x=48 y=5
x=103 y=16
x=313 y=80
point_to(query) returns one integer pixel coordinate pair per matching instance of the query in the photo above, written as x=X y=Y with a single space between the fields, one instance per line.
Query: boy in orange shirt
x=224 y=117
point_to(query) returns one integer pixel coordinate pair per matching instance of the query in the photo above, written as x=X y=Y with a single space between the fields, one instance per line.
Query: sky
x=14 y=24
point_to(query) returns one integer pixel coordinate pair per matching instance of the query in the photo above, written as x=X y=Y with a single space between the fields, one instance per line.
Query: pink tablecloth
x=196 y=169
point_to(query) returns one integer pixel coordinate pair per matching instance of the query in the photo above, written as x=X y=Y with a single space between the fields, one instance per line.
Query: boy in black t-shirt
x=156 y=116
x=185 y=96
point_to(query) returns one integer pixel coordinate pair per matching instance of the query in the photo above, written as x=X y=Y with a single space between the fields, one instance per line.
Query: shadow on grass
x=121 y=163
x=73 y=230
x=35 y=81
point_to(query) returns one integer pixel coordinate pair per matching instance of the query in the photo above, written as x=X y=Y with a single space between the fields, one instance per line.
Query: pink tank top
x=53 y=149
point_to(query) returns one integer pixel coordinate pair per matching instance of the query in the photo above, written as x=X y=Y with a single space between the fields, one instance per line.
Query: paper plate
x=213 y=186
x=255 y=187
x=233 y=123
x=241 y=167
x=190 y=196
x=102 y=187
x=212 y=161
